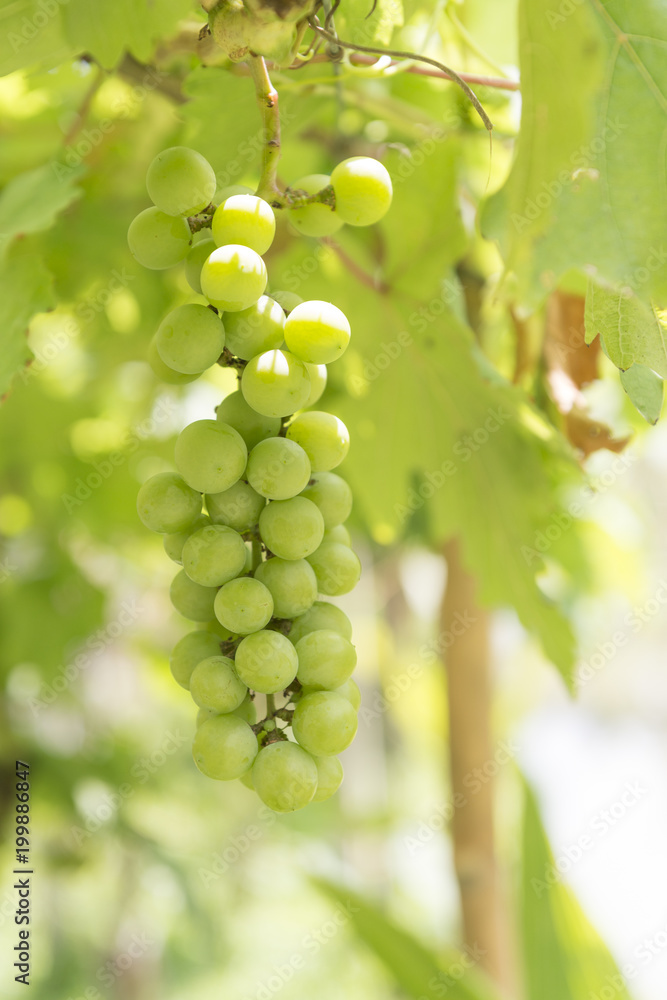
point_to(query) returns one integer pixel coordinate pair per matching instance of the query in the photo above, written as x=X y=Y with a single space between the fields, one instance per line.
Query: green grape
x=190 y=339
x=332 y=495
x=233 y=277
x=278 y=468
x=326 y=659
x=350 y=690
x=288 y=300
x=292 y=584
x=363 y=190
x=163 y=371
x=266 y=661
x=317 y=332
x=247 y=710
x=246 y=220
x=322 y=615
x=191 y=599
x=275 y=383
x=256 y=329
x=219 y=630
x=195 y=260
x=329 y=777
x=252 y=426
x=180 y=181
x=226 y=192
x=246 y=779
x=337 y=568
x=318 y=382
x=165 y=503
x=189 y=651
x=284 y=776
x=215 y=684
x=324 y=723
x=244 y=605
x=316 y=219
x=214 y=555
x=157 y=240
x=224 y=747
x=173 y=543
x=338 y=534
x=291 y=529
x=238 y=507
x=323 y=437
x=203 y=714
x=211 y=456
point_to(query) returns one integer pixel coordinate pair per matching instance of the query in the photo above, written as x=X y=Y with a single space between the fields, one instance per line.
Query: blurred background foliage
x=150 y=880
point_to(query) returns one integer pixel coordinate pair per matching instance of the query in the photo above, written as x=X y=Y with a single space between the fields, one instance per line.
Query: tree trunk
x=485 y=918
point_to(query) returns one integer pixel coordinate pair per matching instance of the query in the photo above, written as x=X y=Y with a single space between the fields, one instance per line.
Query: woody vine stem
x=267 y=99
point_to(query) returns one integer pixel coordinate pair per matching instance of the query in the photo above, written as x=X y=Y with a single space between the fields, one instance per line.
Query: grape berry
x=273 y=536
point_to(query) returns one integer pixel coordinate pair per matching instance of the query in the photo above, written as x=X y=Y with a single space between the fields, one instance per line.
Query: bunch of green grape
x=272 y=539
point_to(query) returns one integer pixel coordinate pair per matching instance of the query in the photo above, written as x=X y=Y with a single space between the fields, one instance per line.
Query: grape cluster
x=273 y=537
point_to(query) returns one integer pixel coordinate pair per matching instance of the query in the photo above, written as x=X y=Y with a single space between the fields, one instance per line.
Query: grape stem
x=268 y=188
x=399 y=54
x=202 y=220
x=228 y=647
x=285 y=714
x=296 y=197
x=360 y=59
x=267 y=99
x=228 y=360
x=371 y=281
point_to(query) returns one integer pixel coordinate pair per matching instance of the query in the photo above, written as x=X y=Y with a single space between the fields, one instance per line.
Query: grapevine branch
x=377 y=284
x=471 y=749
x=267 y=99
x=84 y=107
x=497 y=82
x=399 y=54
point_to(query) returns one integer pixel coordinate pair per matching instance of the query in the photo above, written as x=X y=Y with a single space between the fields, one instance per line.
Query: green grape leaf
x=435 y=430
x=563 y=954
x=417 y=971
x=107 y=30
x=590 y=157
x=645 y=390
x=233 y=147
x=31 y=202
x=629 y=327
x=30 y=33
x=26 y=290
